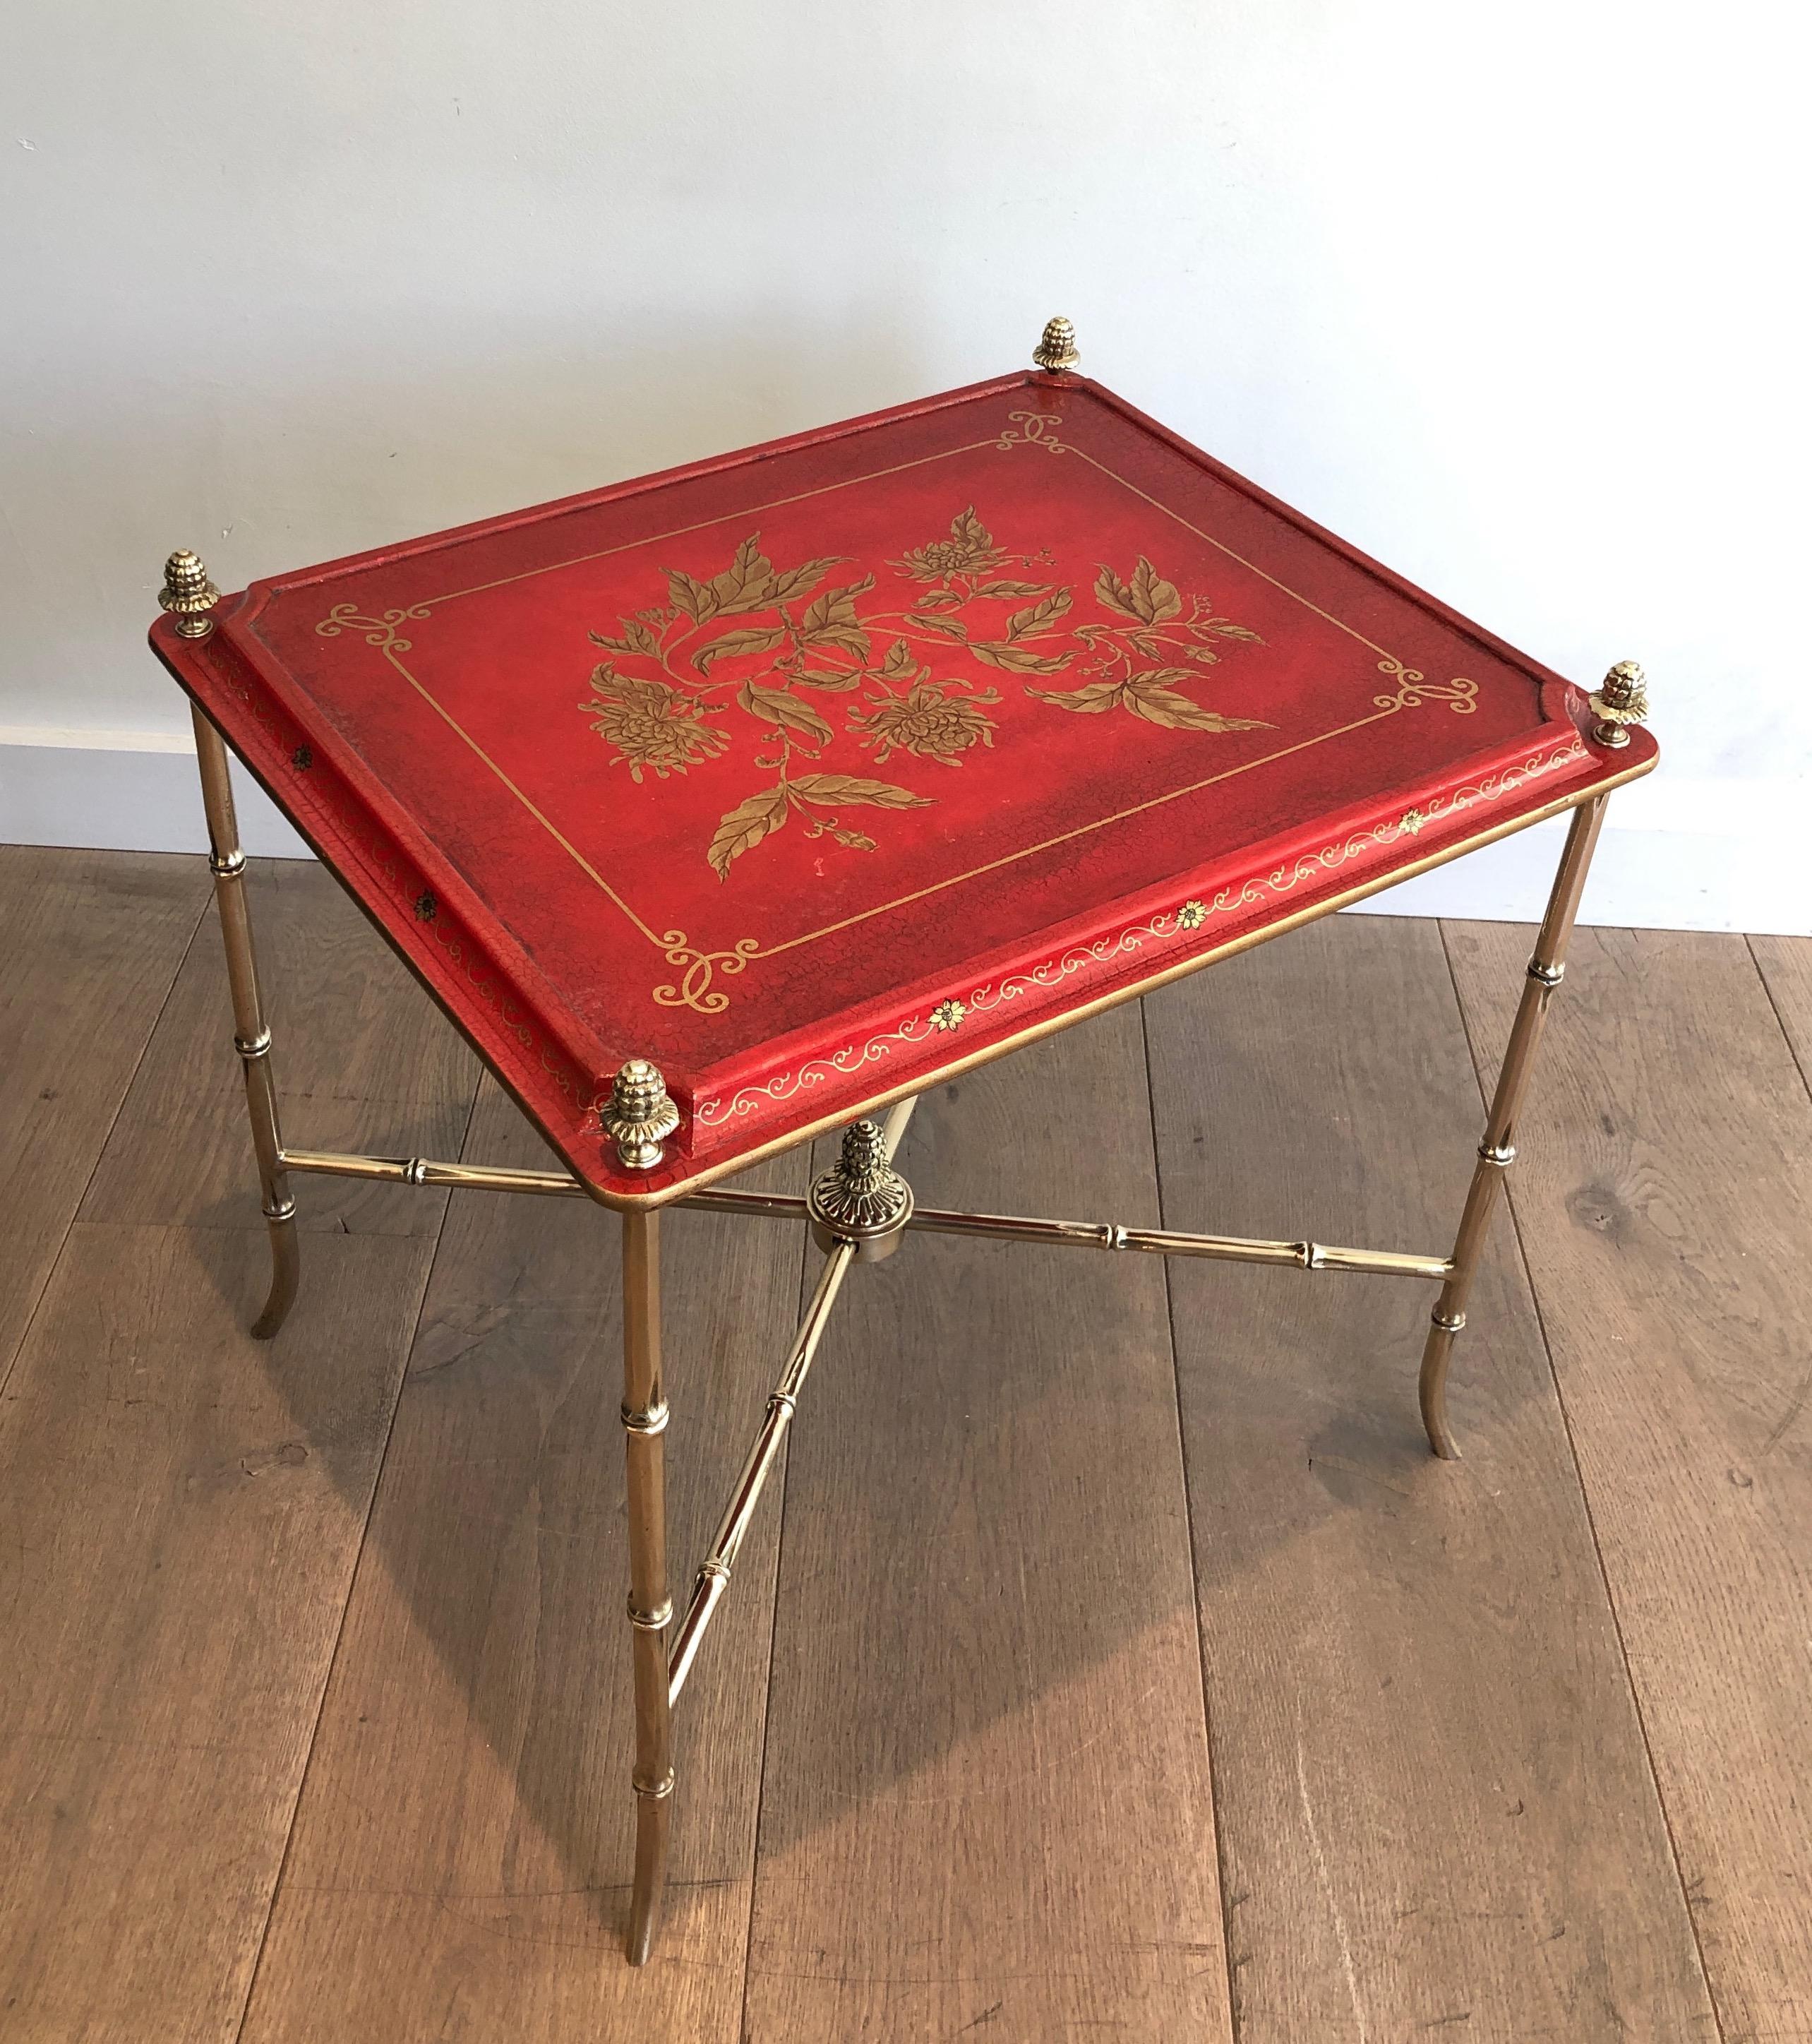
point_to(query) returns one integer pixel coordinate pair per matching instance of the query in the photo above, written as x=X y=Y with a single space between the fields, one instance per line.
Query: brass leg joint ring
x=656 y=1620
x=656 y=1789
x=783 y=1401
x=647 y=1420
x=1502 y=1154
x=227 y=866
x=250 y=1047
x=1113 y=1236
x=283 y=1209
x=1449 y=1323
x=1549 y=975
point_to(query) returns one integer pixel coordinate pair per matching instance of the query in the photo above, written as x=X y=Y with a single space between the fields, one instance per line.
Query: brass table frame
x=661 y=1665
x=858 y=1211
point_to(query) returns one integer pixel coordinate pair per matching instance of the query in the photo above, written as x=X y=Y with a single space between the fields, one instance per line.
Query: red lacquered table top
x=820 y=771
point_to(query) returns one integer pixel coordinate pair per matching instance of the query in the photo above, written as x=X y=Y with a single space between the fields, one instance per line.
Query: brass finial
x=1622 y=699
x=861 y=1198
x=188 y=594
x=1056 y=349
x=639 y=1114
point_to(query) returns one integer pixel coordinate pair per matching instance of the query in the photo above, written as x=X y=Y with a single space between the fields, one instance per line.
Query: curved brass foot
x=1432 y=1387
x=1497 y=1149
x=286 y=1274
x=185 y=585
x=652 y=1807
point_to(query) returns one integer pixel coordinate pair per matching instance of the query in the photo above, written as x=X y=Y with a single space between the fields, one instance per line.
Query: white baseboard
x=124 y=791
x=1709 y=854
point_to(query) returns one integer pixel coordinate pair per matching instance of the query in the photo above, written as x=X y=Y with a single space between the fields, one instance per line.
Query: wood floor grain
x=1123 y=1622
x=179 y=1509
x=986 y=1806
x=1785 y=964
x=1437 y=1810
x=362 y=1058
x=89 y=943
x=1663 y=1197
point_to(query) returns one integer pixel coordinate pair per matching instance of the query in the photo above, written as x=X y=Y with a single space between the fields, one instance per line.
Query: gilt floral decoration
x=752 y=660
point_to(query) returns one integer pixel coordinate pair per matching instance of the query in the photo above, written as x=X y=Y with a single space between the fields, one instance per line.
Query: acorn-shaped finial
x=187 y=594
x=862 y=1199
x=639 y=1114
x=1057 y=348
x=1622 y=699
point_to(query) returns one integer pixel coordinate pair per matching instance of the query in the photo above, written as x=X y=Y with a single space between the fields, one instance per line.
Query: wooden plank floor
x=1111 y=1659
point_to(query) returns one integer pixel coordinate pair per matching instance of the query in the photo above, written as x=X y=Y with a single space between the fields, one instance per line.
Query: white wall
x=1510 y=296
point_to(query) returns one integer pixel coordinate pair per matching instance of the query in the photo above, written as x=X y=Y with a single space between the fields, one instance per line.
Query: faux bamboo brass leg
x=644 y=1419
x=252 y=1035
x=1497 y=1150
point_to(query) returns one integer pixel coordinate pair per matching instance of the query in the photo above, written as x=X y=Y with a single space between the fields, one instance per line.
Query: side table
x=722 y=808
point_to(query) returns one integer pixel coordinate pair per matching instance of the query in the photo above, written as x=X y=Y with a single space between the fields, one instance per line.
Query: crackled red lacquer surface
x=820 y=768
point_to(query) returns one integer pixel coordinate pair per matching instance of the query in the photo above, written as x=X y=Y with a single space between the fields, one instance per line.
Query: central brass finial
x=862 y=1199
x=1622 y=699
x=1056 y=349
x=639 y=1114
x=188 y=595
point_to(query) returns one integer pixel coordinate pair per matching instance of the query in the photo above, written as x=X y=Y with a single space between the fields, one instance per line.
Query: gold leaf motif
x=1153 y=597
x=832 y=789
x=747 y=583
x=697 y=599
x=1113 y=594
x=1157 y=704
x=1019 y=660
x=796 y=582
x=1041 y=616
x=968 y=531
x=830 y=620
x=637 y=638
x=744 y=827
x=757 y=639
x=836 y=606
x=1161 y=634
x=1091 y=700
x=776 y=706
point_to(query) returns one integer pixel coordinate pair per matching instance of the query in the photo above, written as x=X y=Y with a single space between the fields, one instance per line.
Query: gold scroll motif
x=658 y=699
x=383 y=633
x=1461 y=696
